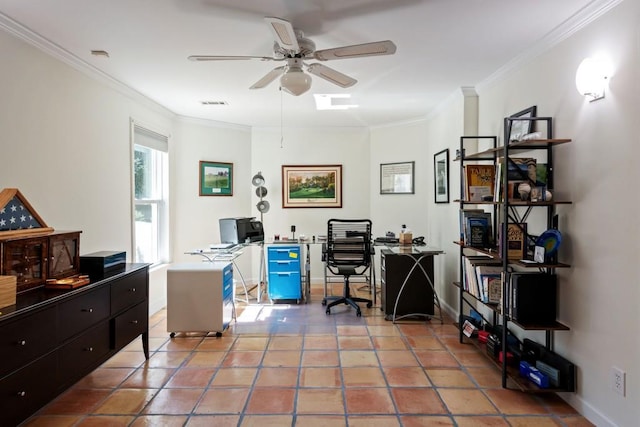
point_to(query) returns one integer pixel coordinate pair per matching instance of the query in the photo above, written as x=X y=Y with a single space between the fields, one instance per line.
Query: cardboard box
x=7 y=291
x=406 y=238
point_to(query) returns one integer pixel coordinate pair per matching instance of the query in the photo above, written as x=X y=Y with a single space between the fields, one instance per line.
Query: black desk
x=407 y=276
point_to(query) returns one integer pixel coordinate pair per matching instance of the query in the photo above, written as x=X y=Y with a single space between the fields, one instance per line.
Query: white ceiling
x=442 y=45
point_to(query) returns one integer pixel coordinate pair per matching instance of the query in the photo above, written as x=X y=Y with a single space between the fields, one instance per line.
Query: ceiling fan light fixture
x=295 y=81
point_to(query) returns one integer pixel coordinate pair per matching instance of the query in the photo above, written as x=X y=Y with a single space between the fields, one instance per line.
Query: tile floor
x=284 y=365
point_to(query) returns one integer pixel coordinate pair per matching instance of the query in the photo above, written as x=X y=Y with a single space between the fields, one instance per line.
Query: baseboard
x=587 y=410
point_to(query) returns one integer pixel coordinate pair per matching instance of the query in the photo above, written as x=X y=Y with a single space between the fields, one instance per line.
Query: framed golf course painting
x=312 y=186
x=216 y=179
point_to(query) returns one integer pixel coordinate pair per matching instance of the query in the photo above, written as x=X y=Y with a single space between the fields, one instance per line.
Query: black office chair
x=347 y=253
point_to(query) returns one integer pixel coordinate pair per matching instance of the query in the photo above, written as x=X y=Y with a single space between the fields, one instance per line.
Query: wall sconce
x=591 y=78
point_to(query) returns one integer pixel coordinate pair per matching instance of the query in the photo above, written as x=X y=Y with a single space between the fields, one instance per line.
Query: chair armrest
x=324 y=252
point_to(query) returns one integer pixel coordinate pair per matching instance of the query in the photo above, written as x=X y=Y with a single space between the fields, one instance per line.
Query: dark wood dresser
x=52 y=338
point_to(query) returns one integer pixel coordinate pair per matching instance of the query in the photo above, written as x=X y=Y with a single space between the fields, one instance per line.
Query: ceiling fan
x=294 y=49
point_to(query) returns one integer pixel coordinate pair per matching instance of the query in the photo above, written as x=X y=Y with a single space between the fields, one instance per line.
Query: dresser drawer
x=82 y=312
x=128 y=291
x=130 y=324
x=26 y=390
x=23 y=340
x=83 y=352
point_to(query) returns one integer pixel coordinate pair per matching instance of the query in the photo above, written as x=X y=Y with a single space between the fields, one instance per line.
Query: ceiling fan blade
x=386 y=47
x=268 y=78
x=228 y=58
x=331 y=75
x=283 y=33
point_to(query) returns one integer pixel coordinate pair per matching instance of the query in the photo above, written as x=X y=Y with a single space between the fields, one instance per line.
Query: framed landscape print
x=519 y=128
x=312 y=186
x=216 y=178
x=397 y=178
x=441 y=176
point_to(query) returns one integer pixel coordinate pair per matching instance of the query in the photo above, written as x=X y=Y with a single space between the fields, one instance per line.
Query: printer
x=241 y=230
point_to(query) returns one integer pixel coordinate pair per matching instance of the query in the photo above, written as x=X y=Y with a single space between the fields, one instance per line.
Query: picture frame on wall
x=397 y=178
x=441 y=176
x=519 y=128
x=312 y=186
x=216 y=178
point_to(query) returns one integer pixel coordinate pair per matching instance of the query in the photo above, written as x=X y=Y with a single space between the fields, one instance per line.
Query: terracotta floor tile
x=205 y=359
x=320 y=421
x=537 y=421
x=355 y=343
x=250 y=343
x=53 y=421
x=481 y=421
x=319 y=358
x=223 y=343
x=320 y=401
x=106 y=421
x=167 y=359
x=160 y=421
x=277 y=377
x=76 y=401
x=466 y=401
x=182 y=344
x=213 y=420
x=320 y=377
x=426 y=421
x=350 y=330
x=285 y=343
x=389 y=343
x=267 y=420
x=237 y=359
x=363 y=377
x=352 y=358
x=486 y=377
x=148 y=378
x=372 y=421
x=515 y=402
x=223 y=401
x=320 y=342
x=397 y=358
x=410 y=400
x=412 y=376
x=385 y=330
x=473 y=359
x=556 y=404
x=126 y=401
x=424 y=342
x=449 y=378
x=191 y=378
x=125 y=359
x=174 y=401
x=369 y=401
x=271 y=401
x=281 y=358
x=234 y=377
x=415 y=329
x=436 y=359
x=104 y=378
x=576 y=421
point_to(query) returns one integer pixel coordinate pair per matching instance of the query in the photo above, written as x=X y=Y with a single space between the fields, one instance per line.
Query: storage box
x=98 y=265
x=7 y=291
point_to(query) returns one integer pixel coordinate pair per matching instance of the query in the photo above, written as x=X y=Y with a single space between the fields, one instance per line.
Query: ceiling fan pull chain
x=281 y=131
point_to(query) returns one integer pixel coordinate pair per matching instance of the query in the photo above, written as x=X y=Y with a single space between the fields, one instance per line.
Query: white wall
x=599 y=294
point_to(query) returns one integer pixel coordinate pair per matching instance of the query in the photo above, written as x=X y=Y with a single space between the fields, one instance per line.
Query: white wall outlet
x=617 y=380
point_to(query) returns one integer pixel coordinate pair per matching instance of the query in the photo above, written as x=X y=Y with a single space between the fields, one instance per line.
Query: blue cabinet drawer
x=285 y=285
x=283 y=266
x=283 y=253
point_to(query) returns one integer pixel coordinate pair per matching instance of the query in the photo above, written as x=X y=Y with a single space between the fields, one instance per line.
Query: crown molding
x=23 y=33
x=213 y=123
x=566 y=29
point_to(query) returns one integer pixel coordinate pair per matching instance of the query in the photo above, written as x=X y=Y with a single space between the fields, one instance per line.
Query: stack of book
x=483 y=278
x=476 y=228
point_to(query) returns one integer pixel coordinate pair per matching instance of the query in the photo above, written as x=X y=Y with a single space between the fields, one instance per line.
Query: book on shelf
x=494 y=289
x=479 y=182
x=477 y=228
x=472 y=284
x=484 y=273
x=519 y=170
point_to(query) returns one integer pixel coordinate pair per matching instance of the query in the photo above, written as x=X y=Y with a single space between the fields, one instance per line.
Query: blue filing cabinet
x=285 y=272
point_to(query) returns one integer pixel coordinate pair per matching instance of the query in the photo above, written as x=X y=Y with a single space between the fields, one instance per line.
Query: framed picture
x=519 y=128
x=397 y=178
x=312 y=186
x=441 y=176
x=216 y=178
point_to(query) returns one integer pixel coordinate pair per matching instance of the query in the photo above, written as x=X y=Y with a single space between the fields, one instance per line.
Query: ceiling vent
x=214 y=103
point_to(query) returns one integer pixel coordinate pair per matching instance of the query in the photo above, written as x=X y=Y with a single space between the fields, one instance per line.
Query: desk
x=407 y=289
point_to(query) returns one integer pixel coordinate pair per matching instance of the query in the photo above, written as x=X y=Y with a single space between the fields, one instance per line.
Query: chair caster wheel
x=324 y=302
x=358 y=313
x=328 y=311
x=218 y=334
x=369 y=304
x=172 y=334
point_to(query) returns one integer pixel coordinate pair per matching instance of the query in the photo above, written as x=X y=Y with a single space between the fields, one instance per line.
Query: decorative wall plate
x=550 y=240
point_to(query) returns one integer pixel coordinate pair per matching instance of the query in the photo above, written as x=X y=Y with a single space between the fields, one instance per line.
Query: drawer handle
x=89 y=349
x=135 y=322
x=22 y=393
x=87 y=310
x=22 y=342
x=132 y=290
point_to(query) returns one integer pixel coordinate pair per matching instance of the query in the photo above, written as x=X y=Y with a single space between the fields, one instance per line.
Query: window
x=150 y=196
